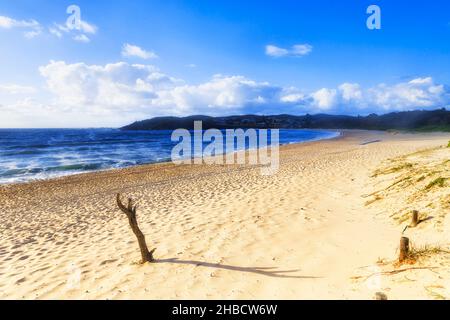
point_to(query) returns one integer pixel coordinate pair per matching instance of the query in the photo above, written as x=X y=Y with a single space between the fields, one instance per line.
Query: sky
x=124 y=61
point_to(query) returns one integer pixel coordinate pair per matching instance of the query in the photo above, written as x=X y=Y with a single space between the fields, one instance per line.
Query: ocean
x=31 y=154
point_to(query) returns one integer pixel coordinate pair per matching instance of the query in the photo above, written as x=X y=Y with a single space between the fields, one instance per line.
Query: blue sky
x=138 y=59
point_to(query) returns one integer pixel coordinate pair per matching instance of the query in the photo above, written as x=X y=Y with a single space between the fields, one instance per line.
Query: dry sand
x=324 y=227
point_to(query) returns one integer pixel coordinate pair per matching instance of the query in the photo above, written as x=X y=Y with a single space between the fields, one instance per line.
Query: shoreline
x=226 y=232
x=62 y=176
x=341 y=134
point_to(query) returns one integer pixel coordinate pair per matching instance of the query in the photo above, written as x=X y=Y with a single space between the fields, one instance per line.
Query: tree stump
x=404 y=249
x=380 y=296
x=415 y=218
x=130 y=212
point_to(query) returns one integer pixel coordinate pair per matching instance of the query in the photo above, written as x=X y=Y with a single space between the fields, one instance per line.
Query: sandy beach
x=326 y=226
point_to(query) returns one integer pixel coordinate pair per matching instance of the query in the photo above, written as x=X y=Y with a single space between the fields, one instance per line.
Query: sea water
x=30 y=154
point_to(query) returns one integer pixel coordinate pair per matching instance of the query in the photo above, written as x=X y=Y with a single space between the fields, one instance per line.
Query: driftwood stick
x=392 y=272
x=130 y=212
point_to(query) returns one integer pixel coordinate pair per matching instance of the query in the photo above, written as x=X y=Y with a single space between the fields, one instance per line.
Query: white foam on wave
x=52 y=164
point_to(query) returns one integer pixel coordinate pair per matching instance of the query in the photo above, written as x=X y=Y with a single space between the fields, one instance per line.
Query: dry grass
x=411 y=182
x=421 y=178
x=436 y=182
x=376 y=198
x=424 y=252
x=432 y=292
x=392 y=169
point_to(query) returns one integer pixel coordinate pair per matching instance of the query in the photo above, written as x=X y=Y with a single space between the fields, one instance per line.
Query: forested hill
x=437 y=120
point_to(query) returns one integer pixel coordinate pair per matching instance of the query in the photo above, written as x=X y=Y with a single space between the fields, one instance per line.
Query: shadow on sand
x=265 y=271
x=424 y=220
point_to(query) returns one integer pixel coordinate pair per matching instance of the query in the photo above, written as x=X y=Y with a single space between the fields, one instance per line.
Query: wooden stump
x=130 y=211
x=415 y=218
x=380 y=296
x=404 y=249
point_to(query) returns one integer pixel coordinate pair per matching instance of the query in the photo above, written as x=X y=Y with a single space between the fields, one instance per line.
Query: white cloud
x=117 y=93
x=87 y=27
x=293 y=98
x=129 y=50
x=78 y=34
x=136 y=91
x=143 y=89
x=32 y=27
x=118 y=85
x=297 y=50
x=56 y=31
x=324 y=99
x=61 y=28
x=301 y=49
x=16 y=89
x=84 y=27
x=420 y=92
x=8 y=23
x=222 y=94
x=28 y=112
x=81 y=38
x=417 y=93
x=275 y=51
x=350 y=91
x=32 y=34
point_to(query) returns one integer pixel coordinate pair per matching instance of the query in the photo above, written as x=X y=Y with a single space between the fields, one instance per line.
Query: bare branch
x=121 y=205
x=130 y=205
x=130 y=211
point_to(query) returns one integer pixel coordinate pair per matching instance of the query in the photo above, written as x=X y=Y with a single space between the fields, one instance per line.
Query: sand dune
x=227 y=232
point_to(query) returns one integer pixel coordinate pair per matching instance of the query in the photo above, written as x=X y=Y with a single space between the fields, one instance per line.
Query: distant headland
x=436 y=120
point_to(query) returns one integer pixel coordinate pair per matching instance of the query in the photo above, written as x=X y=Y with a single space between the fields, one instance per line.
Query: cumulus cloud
x=121 y=92
x=293 y=98
x=144 y=89
x=222 y=94
x=297 y=50
x=144 y=85
x=420 y=92
x=31 y=27
x=351 y=92
x=129 y=50
x=122 y=89
x=324 y=99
